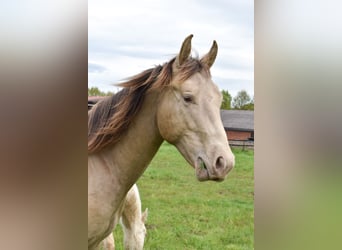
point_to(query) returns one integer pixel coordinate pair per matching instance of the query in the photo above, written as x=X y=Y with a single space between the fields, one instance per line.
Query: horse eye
x=187 y=99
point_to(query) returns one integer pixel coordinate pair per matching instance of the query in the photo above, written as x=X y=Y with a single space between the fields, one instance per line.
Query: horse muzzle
x=214 y=172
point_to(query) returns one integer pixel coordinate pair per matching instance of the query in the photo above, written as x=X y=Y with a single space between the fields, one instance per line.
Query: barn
x=239 y=126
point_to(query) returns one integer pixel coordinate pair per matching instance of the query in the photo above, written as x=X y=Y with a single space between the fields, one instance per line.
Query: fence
x=244 y=144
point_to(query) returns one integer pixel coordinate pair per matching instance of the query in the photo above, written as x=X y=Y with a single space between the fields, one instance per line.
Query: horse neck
x=132 y=154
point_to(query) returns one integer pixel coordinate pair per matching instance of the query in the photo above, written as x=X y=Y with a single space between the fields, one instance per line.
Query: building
x=239 y=125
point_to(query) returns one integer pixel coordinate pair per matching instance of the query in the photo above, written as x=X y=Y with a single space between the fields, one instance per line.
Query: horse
x=177 y=102
x=133 y=223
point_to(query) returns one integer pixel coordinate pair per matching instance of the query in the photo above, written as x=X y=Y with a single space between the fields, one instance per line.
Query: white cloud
x=126 y=37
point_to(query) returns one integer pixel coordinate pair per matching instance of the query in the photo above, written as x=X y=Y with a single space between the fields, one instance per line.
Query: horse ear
x=144 y=215
x=210 y=57
x=184 y=52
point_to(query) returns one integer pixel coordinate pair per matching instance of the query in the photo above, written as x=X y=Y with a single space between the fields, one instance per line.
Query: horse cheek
x=170 y=128
x=167 y=129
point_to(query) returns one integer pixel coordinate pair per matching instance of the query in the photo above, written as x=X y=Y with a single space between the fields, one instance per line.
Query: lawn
x=187 y=214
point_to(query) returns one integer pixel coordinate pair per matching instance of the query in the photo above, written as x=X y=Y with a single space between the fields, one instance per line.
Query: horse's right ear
x=184 y=52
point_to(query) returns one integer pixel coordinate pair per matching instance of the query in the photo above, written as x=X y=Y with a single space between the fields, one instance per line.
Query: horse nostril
x=220 y=162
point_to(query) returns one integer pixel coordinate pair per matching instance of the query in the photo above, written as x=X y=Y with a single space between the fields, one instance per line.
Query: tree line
x=241 y=101
x=94 y=91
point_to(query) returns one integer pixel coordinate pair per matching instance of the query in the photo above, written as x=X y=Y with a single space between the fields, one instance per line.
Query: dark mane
x=110 y=118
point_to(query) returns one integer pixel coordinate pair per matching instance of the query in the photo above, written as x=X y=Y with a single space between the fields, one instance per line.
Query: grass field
x=187 y=214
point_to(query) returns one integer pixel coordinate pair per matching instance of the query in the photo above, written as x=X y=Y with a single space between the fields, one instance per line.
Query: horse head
x=188 y=115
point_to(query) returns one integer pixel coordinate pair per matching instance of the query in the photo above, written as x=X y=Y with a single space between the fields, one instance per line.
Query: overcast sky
x=129 y=36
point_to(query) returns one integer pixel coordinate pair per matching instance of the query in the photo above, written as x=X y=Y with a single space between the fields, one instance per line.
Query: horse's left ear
x=144 y=215
x=210 y=57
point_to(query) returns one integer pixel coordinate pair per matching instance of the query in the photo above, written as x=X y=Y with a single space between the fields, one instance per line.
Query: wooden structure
x=239 y=127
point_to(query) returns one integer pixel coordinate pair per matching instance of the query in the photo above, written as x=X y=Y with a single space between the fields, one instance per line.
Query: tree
x=243 y=101
x=227 y=99
x=249 y=106
x=94 y=91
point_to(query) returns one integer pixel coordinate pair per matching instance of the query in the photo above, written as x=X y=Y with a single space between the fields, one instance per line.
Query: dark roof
x=242 y=120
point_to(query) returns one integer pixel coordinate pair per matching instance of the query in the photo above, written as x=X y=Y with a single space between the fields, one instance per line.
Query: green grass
x=187 y=214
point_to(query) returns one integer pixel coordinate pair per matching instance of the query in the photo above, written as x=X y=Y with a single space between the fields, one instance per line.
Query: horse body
x=177 y=102
x=133 y=223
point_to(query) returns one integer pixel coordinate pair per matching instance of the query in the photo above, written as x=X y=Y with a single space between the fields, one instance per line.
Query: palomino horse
x=177 y=102
x=133 y=223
